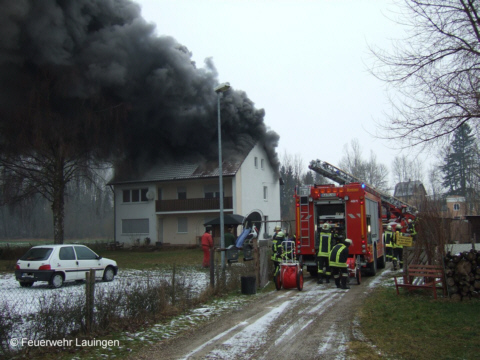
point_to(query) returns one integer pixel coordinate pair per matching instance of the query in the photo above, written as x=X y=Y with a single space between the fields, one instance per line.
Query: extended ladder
x=342 y=177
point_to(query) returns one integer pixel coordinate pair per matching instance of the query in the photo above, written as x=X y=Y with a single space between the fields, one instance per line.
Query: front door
x=87 y=260
x=68 y=263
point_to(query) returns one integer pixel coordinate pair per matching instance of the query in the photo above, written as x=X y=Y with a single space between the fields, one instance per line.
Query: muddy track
x=316 y=323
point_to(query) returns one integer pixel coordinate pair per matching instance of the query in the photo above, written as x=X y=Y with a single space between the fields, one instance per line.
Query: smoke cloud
x=105 y=50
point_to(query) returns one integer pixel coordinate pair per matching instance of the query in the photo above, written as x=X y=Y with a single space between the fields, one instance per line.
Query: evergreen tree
x=460 y=163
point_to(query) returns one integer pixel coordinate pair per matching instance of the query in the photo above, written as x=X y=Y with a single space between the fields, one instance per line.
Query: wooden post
x=173 y=284
x=90 y=299
x=212 y=267
x=256 y=261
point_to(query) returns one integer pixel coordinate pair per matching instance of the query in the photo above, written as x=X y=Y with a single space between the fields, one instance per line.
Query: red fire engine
x=353 y=207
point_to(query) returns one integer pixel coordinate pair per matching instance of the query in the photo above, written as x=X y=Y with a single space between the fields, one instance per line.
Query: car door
x=87 y=260
x=67 y=263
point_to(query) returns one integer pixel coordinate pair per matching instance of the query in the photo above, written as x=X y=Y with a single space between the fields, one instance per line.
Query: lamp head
x=222 y=87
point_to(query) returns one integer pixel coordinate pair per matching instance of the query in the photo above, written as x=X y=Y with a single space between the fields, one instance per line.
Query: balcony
x=193 y=204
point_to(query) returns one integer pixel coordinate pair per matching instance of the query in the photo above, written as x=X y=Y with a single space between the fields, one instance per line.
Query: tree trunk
x=58 y=204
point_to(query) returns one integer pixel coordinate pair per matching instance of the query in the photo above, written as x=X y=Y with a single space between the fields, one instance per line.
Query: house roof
x=181 y=171
x=408 y=188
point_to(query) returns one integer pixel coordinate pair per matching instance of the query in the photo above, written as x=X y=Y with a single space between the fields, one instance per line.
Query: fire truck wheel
x=300 y=280
x=277 y=281
x=373 y=264
x=383 y=260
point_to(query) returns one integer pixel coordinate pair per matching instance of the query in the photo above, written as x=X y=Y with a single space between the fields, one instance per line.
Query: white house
x=170 y=204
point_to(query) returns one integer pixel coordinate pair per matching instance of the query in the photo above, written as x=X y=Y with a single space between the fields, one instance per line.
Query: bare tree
x=47 y=144
x=405 y=169
x=369 y=171
x=435 y=70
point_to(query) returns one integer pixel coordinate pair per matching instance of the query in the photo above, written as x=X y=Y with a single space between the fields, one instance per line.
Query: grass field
x=415 y=326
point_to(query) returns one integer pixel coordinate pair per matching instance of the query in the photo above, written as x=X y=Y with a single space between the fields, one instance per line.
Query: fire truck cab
x=353 y=210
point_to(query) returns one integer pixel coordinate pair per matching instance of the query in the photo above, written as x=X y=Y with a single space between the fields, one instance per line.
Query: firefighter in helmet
x=411 y=229
x=277 y=248
x=338 y=263
x=324 y=247
x=397 y=249
x=387 y=240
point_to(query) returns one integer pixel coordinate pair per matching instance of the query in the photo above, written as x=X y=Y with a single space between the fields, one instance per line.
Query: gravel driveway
x=316 y=323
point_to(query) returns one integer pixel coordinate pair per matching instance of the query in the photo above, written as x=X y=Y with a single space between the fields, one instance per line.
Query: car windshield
x=37 y=254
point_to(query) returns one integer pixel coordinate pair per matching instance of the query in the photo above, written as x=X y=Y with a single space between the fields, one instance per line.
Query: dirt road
x=316 y=323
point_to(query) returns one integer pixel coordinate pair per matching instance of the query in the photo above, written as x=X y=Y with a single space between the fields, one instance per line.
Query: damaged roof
x=181 y=171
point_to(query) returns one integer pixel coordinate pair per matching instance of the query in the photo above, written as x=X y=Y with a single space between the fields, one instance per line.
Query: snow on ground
x=245 y=336
x=26 y=301
x=458 y=248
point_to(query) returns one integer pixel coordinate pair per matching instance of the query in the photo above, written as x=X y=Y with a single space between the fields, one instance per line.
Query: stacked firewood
x=462 y=273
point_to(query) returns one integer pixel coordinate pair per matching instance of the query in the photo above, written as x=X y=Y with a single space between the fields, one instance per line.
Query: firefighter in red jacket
x=338 y=263
x=324 y=247
x=207 y=244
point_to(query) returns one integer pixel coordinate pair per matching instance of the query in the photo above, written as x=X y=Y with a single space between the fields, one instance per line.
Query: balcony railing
x=193 y=204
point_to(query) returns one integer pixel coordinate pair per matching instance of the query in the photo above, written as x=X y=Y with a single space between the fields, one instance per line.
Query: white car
x=59 y=263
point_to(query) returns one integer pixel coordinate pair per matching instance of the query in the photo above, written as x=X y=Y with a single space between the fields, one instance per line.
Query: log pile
x=462 y=273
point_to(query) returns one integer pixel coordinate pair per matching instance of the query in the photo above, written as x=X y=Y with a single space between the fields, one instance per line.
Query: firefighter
x=397 y=249
x=324 y=247
x=207 y=244
x=411 y=229
x=277 y=248
x=387 y=240
x=337 y=233
x=338 y=263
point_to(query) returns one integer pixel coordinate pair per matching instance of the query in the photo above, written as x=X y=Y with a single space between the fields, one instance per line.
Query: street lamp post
x=220 y=89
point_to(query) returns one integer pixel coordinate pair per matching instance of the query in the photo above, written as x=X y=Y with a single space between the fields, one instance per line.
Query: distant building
x=170 y=203
x=411 y=192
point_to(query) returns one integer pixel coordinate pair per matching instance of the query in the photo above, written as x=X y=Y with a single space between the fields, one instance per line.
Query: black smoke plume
x=102 y=55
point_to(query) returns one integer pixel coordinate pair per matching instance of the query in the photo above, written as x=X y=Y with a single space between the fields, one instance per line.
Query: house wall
x=195 y=188
x=134 y=211
x=195 y=227
x=246 y=189
x=250 y=182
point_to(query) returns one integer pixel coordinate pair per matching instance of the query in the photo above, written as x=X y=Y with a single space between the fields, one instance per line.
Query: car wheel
x=108 y=274
x=25 y=284
x=56 y=281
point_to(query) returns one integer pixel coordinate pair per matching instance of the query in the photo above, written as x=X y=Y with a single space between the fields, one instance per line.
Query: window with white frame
x=135 y=226
x=262 y=164
x=181 y=193
x=265 y=193
x=159 y=194
x=256 y=162
x=182 y=225
x=456 y=207
x=135 y=195
x=211 y=191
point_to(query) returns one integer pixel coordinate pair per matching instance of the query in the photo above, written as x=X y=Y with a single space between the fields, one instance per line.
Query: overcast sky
x=304 y=61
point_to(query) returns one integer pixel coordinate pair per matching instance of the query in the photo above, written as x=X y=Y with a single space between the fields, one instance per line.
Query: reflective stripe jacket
x=277 y=248
x=339 y=255
x=388 y=236
x=395 y=240
x=325 y=244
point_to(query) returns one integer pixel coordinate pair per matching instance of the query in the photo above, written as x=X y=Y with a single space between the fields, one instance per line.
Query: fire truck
x=354 y=208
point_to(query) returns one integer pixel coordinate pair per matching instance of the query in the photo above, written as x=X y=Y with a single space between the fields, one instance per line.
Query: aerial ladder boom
x=338 y=175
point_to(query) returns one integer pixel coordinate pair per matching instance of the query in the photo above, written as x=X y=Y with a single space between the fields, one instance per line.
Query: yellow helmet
x=278 y=228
